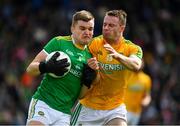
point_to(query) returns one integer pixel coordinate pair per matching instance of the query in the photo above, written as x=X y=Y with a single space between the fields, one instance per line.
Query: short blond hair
x=82 y=15
x=120 y=14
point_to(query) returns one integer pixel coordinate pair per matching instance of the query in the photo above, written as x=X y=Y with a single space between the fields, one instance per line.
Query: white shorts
x=40 y=111
x=132 y=118
x=87 y=116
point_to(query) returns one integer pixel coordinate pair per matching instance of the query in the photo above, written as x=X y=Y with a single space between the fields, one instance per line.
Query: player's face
x=83 y=31
x=112 y=29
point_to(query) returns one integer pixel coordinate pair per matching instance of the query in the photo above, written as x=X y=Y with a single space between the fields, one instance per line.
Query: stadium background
x=26 y=26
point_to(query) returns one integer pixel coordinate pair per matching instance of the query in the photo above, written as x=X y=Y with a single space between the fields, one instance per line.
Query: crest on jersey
x=109 y=57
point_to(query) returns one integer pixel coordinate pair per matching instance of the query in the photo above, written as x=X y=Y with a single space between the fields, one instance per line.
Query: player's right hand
x=93 y=63
x=53 y=66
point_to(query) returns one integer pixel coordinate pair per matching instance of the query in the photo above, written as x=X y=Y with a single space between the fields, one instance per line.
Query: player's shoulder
x=97 y=39
x=64 y=38
x=129 y=43
x=145 y=75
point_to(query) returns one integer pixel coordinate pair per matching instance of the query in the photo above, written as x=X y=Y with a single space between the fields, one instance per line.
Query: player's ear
x=122 y=27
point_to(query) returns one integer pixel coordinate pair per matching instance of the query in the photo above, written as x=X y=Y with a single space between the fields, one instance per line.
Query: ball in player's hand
x=61 y=56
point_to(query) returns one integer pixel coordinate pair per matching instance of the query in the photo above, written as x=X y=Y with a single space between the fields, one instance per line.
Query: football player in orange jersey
x=113 y=57
x=139 y=88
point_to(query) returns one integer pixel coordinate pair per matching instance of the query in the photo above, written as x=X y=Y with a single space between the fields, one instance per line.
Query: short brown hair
x=120 y=14
x=82 y=15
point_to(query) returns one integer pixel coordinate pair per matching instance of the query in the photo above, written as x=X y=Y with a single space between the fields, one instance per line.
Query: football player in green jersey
x=52 y=102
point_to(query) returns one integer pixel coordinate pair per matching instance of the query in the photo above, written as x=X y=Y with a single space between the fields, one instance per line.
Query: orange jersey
x=138 y=86
x=108 y=92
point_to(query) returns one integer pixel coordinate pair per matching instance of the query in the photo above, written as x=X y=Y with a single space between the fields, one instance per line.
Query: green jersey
x=61 y=93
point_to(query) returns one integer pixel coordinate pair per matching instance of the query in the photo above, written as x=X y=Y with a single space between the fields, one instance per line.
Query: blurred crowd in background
x=27 y=25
